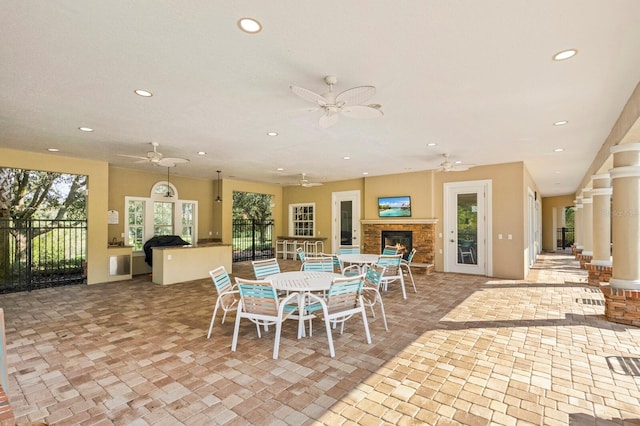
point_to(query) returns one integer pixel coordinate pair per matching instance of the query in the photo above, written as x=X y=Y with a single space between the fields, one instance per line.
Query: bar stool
x=281 y=248
x=290 y=247
x=311 y=248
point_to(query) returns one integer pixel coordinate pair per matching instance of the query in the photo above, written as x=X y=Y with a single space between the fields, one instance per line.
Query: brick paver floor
x=465 y=350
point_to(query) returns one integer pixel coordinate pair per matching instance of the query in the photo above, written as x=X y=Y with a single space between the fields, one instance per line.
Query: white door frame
x=484 y=244
x=336 y=199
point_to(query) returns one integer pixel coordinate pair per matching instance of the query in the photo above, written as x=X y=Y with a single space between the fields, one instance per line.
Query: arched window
x=162 y=213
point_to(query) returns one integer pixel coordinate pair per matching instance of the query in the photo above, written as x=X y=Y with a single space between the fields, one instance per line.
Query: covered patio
x=463 y=350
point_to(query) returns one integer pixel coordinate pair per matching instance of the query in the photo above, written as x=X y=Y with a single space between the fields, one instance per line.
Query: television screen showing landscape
x=394 y=206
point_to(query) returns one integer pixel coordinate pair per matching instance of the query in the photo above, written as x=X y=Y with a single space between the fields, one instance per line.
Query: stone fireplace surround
x=423 y=236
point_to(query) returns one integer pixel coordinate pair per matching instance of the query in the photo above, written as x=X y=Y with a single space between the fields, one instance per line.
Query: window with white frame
x=302 y=220
x=159 y=214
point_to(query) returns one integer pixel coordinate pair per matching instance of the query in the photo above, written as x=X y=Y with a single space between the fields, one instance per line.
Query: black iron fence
x=564 y=238
x=252 y=239
x=40 y=253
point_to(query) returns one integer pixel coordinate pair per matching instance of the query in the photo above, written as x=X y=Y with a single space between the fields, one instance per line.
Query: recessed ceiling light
x=560 y=123
x=558 y=171
x=143 y=93
x=346 y=158
x=457 y=162
x=558 y=150
x=202 y=153
x=272 y=133
x=249 y=25
x=53 y=149
x=432 y=144
x=85 y=129
x=565 y=54
x=279 y=169
x=365 y=173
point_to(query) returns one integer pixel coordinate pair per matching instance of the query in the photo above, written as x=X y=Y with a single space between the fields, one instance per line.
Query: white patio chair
x=264 y=268
x=259 y=303
x=371 y=290
x=318 y=264
x=348 y=249
x=227 y=299
x=390 y=250
x=393 y=271
x=302 y=255
x=344 y=299
x=406 y=265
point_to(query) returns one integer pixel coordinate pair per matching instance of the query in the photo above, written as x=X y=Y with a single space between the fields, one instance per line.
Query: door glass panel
x=346 y=223
x=468 y=228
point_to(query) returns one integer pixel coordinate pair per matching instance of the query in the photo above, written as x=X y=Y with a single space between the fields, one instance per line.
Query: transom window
x=162 y=213
x=302 y=220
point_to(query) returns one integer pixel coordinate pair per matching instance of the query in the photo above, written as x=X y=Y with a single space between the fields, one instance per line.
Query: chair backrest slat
x=258 y=297
x=343 y=293
x=390 y=250
x=264 y=268
x=221 y=279
x=411 y=254
x=391 y=263
x=318 y=264
x=373 y=276
x=349 y=250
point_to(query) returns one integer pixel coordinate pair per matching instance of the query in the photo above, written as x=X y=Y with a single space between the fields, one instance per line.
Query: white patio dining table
x=359 y=258
x=302 y=282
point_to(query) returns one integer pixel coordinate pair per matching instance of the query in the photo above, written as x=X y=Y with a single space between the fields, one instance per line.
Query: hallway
x=465 y=350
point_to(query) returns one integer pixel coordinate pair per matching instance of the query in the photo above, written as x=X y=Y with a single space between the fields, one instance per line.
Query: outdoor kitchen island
x=174 y=264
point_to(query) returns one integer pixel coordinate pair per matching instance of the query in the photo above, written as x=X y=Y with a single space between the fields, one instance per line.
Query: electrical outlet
x=169 y=257
x=509 y=237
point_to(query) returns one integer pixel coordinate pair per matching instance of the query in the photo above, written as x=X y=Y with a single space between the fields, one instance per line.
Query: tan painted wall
x=549 y=206
x=98 y=185
x=508 y=214
x=321 y=195
x=418 y=185
x=426 y=191
x=138 y=183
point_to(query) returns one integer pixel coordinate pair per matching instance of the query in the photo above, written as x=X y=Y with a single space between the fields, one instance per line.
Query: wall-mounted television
x=394 y=206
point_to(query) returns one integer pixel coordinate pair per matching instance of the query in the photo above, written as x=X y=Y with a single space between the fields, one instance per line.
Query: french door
x=467 y=225
x=345 y=223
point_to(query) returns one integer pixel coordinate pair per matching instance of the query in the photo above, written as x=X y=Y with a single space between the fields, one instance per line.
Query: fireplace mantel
x=403 y=221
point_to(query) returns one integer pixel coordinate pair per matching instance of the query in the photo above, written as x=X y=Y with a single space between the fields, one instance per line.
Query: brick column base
x=584 y=259
x=598 y=274
x=621 y=306
x=576 y=252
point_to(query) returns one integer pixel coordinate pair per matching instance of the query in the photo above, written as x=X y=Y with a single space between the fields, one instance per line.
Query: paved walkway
x=464 y=350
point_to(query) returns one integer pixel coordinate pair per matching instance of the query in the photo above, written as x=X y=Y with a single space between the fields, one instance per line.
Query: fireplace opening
x=400 y=239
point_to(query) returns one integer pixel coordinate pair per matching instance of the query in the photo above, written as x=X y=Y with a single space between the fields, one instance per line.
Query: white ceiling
x=475 y=77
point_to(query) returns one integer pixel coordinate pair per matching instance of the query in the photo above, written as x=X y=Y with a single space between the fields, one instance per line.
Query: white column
x=587 y=223
x=601 y=195
x=577 y=223
x=625 y=216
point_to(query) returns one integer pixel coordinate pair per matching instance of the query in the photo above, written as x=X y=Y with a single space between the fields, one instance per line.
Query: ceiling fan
x=348 y=103
x=306 y=183
x=448 y=166
x=154 y=157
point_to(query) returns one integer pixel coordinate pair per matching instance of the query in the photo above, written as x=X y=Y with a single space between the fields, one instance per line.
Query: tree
x=32 y=194
x=257 y=207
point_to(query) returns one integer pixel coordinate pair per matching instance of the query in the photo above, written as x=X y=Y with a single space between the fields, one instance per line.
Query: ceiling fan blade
x=308 y=95
x=134 y=156
x=310 y=184
x=361 y=111
x=357 y=95
x=173 y=161
x=328 y=120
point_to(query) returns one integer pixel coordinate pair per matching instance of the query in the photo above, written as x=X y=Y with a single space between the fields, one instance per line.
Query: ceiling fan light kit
x=350 y=103
x=156 y=158
x=448 y=166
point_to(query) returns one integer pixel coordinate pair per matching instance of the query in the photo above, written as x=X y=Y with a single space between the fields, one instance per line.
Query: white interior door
x=467 y=224
x=345 y=228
